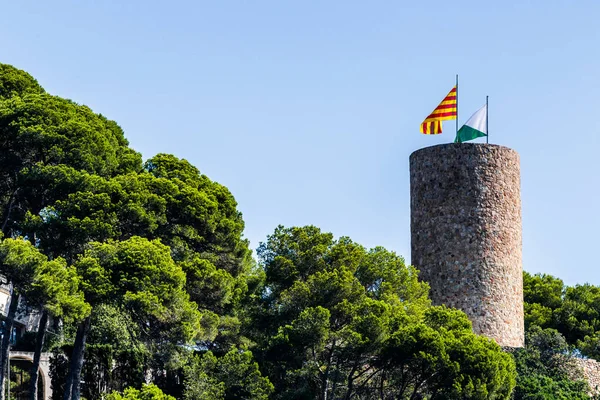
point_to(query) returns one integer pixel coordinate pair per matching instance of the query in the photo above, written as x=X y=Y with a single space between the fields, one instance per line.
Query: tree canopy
x=148 y=392
x=16 y=82
x=547 y=369
x=235 y=375
x=339 y=321
x=573 y=311
x=68 y=179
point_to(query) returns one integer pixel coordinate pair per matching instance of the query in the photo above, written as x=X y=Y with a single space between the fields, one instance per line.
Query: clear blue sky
x=309 y=110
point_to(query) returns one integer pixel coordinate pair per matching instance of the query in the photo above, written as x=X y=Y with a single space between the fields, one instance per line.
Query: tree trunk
x=325 y=384
x=72 y=389
x=39 y=344
x=6 y=332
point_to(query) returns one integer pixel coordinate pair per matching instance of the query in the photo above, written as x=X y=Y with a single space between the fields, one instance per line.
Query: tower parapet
x=466 y=234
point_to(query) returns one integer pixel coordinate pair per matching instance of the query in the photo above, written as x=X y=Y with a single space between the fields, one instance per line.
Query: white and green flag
x=475 y=127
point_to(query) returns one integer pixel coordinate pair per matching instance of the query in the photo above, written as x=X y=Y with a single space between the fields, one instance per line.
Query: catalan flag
x=445 y=111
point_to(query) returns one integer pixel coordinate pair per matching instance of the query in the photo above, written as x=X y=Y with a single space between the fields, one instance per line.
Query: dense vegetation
x=561 y=322
x=141 y=273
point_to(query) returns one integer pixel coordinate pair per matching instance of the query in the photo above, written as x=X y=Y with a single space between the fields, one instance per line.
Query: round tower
x=466 y=233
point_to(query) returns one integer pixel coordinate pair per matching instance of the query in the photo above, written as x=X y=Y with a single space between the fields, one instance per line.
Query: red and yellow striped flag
x=445 y=111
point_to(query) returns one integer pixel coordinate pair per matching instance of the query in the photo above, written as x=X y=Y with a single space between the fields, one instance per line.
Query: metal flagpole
x=457 y=104
x=487 y=121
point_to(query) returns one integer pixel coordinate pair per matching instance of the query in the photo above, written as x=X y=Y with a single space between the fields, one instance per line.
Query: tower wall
x=466 y=233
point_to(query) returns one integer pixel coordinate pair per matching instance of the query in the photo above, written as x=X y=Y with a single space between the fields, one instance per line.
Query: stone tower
x=466 y=233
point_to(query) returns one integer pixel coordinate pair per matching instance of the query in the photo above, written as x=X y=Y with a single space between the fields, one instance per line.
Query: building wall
x=590 y=370
x=4 y=299
x=44 y=369
x=466 y=233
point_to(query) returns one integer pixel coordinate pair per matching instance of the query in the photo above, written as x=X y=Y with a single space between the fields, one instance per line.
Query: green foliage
x=442 y=357
x=46 y=284
x=546 y=368
x=543 y=289
x=139 y=279
x=148 y=392
x=574 y=311
x=15 y=82
x=19 y=260
x=115 y=356
x=68 y=179
x=541 y=387
x=202 y=221
x=293 y=255
x=579 y=315
x=43 y=130
x=196 y=219
x=590 y=345
x=47 y=143
x=139 y=276
x=338 y=321
x=55 y=287
x=94 y=208
x=111 y=326
x=232 y=376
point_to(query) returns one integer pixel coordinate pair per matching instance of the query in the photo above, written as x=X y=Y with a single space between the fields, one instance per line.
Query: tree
x=55 y=291
x=235 y=375
x=41 y=135
x=140 y=277
x=543 y=289
x=546 y=368
x=208 y=243
x=197 y=219
x=50 y=285
x=318 y=323
x=18 y=262
x=336 y=320
x=574 y=311
x=203 y=228
x=441 y=358
x=116 y=357
x=68 y=178
x=216 y=260
x=15 y=82
x=216 y=263
x=148 y=392
x=42 y=132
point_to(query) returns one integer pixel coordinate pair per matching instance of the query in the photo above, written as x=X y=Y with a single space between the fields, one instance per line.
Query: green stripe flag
x=475 y=127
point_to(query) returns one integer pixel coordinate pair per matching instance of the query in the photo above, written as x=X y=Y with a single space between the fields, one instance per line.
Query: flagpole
x=487 y=120
x=456 y=104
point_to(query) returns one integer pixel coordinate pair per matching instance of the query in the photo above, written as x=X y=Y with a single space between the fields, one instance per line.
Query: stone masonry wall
x=590 y=369
x=466 y=233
